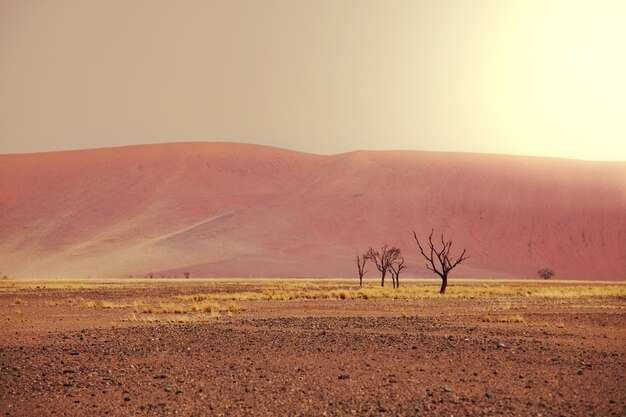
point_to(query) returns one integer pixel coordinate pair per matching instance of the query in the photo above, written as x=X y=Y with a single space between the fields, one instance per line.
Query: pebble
x=344 y=376
x=447 y=389
x=489 y=395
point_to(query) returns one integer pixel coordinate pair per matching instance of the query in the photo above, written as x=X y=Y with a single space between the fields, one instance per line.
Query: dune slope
x=235 y=210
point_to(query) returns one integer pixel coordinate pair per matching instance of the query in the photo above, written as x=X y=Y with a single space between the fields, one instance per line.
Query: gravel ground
x=461 y=357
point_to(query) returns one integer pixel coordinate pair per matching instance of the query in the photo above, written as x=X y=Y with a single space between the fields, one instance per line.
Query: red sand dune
x=223 y=209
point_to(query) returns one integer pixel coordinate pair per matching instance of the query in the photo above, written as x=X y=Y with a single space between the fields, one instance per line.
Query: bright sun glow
x=561 y=84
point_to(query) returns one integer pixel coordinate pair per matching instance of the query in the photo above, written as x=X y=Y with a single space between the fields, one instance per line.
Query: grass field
x=300 y=288
x=204 y=298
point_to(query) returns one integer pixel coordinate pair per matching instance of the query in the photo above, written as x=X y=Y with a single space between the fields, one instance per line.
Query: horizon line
x=241 y=143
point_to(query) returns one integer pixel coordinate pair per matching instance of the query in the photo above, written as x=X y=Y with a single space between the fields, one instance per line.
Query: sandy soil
x=436 y=356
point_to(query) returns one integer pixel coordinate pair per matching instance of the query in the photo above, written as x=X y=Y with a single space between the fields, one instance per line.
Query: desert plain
x=300 y=347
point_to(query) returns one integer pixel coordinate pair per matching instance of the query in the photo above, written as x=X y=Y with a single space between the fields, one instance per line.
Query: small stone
x=501 y=345
x=126 y=398
x=344 y=376
x=489 y=395
x=447 y=389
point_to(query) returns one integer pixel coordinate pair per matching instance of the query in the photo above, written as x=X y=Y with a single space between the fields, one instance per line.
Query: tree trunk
x=360 y=281
x=397 y=281
x=444 y=284
x=382 y=281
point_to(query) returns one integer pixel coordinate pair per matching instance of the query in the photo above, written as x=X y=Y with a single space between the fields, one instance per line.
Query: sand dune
x=223 y=209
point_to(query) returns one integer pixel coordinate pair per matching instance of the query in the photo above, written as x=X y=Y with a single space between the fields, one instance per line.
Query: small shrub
x=545 y=273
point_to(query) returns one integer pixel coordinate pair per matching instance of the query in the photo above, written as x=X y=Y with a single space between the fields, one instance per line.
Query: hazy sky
x=517 y=77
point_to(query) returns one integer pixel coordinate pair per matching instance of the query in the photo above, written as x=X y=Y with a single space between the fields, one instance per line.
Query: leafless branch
x=443 y=263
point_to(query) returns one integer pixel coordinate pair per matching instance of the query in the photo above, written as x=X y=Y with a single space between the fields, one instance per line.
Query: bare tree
x=360 y=264
x=439 y=261
x=396 y=268
x=186 y=274
x=546 y=273
x=383 y=259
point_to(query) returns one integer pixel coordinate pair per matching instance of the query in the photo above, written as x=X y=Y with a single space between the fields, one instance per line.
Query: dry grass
x=341 y=290
x=182 y=308
x=287 y=289
x=115 y=304
x=202 y=298
x=72 y=302
x=170 y=318
x=510 y=318
x=76 y=284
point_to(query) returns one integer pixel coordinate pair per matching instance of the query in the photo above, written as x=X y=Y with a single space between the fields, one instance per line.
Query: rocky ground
x=441 y=356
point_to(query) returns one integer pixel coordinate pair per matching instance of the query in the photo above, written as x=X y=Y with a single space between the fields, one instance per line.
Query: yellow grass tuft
x=115 y=304
x=185 y=308
x=511 y=318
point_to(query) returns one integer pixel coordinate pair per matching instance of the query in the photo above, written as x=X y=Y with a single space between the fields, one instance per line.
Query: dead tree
x=186 y=274
x=545 y=273
x=383 y=259
x=439 y=261
x=360 y=264
x=395 y=269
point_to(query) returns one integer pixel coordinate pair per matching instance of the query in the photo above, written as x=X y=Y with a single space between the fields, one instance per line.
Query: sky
x=541 y=78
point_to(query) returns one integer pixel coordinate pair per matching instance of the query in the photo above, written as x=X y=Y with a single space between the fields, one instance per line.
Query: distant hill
x=235 y=210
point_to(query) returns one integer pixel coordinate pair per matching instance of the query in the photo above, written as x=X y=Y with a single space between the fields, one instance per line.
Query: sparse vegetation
x=180 y=323
x=511 y=318
x=184 y=308
x=360 y=263
x=545 y=273
x=396 y=268
x=115 y=304
x=227 y=290
x=440 y=261
x=383 y=259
